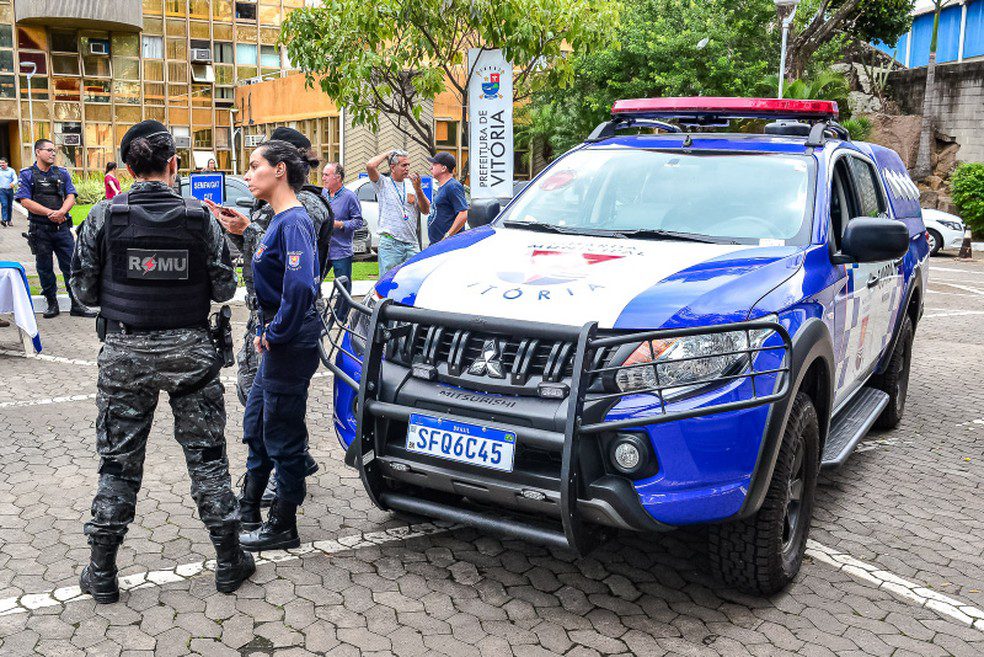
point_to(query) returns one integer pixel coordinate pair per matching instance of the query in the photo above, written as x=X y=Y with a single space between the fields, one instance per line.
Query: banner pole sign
x=490 y=124
x=209 y=186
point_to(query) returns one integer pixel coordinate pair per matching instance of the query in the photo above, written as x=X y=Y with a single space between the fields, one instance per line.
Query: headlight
x=680 y=365
x=953 y=225
x=359 y=323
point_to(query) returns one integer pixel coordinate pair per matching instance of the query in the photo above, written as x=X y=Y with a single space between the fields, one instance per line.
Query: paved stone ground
x=909 y=505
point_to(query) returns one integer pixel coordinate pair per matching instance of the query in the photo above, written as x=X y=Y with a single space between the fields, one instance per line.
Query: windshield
x=731 y=197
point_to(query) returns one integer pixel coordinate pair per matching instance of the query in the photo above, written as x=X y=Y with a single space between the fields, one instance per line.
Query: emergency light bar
x=703 y=108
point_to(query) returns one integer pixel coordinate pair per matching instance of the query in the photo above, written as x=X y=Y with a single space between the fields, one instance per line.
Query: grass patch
x=79 y=212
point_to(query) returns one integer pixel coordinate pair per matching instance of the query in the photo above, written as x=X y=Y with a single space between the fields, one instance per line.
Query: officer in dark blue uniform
x=47 y=193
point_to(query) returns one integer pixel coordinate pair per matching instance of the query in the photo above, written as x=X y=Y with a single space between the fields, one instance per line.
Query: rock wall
x=958 y=106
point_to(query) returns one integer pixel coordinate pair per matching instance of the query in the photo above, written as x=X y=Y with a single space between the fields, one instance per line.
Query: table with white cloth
x=15 y=299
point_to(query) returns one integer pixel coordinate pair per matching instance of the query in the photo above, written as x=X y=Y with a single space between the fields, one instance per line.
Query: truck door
x=866 y=305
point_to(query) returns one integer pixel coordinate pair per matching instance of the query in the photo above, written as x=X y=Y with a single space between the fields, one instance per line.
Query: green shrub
x=967 y=188
x=860 y=128
x=92 y=189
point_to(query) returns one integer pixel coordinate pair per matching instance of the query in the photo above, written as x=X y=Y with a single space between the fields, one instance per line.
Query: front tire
x=762 y=554
x=935 y=242
x=895 y=379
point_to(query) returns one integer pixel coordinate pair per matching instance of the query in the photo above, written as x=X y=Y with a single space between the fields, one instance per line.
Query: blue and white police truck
x=667 y=328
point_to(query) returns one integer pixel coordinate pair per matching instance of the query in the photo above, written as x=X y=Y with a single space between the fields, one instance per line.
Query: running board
x=851 y=425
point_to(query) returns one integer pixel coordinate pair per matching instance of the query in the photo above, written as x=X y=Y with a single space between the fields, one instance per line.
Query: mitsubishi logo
x=488 y=361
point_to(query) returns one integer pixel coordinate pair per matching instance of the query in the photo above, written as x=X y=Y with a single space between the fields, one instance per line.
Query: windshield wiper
x=656 y=234
x=543 y=228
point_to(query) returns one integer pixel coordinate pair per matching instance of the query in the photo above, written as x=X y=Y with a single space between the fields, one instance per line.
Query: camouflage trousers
x=247 y=360
x=133 y=371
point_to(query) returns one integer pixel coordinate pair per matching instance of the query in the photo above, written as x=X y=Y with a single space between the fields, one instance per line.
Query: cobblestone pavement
x=896 y=566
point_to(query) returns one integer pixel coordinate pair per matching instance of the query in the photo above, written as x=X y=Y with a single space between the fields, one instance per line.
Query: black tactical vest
x=155 y=256
x=48 y=189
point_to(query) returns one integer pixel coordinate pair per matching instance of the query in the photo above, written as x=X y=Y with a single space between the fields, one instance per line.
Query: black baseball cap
x=444 y=158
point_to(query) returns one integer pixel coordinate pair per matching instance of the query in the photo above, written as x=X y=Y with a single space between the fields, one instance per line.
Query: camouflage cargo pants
x=133 y=371
x=247 y=360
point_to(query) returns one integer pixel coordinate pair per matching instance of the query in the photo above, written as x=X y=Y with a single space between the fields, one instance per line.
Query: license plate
x=458 y=441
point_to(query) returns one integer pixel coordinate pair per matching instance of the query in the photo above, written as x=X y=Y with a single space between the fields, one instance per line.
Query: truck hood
x=573 y=279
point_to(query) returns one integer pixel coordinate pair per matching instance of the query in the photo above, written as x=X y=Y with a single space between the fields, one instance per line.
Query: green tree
x=820 y=22
x=388 y=57
x=668 y=48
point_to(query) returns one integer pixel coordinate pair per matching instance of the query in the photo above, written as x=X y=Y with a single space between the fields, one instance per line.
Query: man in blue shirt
x=347 y=210
x=47 y=193
x=7 y=180
x=450 y=208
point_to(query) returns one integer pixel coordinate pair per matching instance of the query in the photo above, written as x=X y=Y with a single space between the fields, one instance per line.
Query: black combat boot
x=310 y=467
x=233 y=566
x=249 y=502
x=78 y=310
x=279 y=532
x=53 y=310
x=99 y=578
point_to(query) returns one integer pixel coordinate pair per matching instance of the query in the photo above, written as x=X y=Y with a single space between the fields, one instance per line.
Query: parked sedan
x=237 y=195
x=946 y=231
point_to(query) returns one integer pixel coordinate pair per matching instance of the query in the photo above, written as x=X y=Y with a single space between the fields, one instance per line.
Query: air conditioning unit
x=71 y=139
x=201 y=56
x=255 y=80
x=99 y=47
x=252 y=141
x=182 y=142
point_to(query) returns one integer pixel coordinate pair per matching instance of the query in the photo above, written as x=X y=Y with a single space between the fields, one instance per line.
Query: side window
x=367 y=193
x=870 y=196
x=842 y=201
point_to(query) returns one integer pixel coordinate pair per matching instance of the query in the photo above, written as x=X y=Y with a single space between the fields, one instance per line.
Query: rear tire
x=935 y=242
x=895 y=379
x=762 y=554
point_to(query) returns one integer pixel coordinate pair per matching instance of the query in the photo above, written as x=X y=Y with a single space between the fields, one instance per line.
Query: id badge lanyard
x=403 y=198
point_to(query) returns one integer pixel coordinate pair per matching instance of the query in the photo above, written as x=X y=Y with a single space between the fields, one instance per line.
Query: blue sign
x=209 y=186
x=427 y=187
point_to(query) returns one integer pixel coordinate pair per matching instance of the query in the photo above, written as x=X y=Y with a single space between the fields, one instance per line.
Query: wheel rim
x=932 y=243
x=794 y=500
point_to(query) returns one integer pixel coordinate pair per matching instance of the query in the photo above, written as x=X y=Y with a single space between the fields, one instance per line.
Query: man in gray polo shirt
x=400 y=207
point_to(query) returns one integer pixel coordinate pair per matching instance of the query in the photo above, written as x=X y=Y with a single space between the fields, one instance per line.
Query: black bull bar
x=387 y=323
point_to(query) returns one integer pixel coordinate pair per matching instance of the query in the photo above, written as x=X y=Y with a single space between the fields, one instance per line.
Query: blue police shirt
x=27 y=182
x=285 y=274
x=448 y=202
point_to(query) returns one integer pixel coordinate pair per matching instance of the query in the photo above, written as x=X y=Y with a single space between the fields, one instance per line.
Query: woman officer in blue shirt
x=286 y=277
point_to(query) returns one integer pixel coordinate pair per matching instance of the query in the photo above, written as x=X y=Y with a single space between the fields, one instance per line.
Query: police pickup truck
x=667 y=328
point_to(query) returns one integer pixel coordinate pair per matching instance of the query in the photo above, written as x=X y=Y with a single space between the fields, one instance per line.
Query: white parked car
x=370 y=214
x=946 y=231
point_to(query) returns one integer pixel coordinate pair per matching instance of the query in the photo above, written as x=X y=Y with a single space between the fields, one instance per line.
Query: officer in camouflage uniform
x=247 y=234
x=154 y=262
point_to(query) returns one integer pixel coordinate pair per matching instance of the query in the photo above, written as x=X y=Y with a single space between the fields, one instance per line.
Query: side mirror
x=482 y=212
x=244 y=202
x=872 y=239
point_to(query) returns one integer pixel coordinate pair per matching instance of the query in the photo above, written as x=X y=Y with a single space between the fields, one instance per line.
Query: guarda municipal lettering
x=491 y=148
x=513 y=293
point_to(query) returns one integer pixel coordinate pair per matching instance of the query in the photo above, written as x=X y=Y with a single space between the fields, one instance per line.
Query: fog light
x=628 y=453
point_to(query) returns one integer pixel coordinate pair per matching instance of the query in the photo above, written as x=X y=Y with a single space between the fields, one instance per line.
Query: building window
x=269 y=56
x=95 y=66
x=62 y=41
x=31 y=38
x=39 y=87
x=246 y=54
x=153 y=47
x=203 y=138
x=65 y=64
x=38 y=59
x=246 y=11
x=224 y=96
x=67 y=89
x=270 y=12
x=446 y=133
x=96 y=91
x=222 y=53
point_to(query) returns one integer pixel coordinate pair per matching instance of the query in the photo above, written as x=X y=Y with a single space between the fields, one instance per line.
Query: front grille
x=515 y=360
x=361 y=233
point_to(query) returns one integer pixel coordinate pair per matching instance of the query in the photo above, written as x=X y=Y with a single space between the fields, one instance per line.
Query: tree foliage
x=820 y=22
x=388 y=57
x=668 y=48
x=967 y=187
